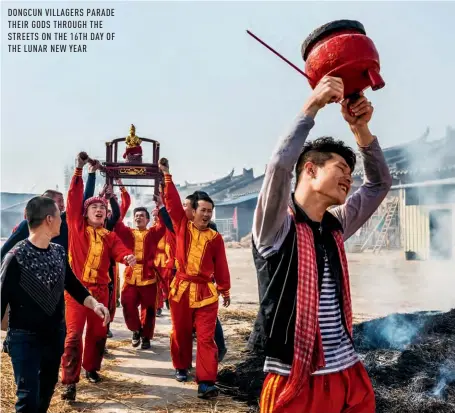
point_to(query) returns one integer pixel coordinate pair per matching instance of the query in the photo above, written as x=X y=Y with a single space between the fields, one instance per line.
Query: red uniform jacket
x=170 y=249
x=200 y=256
x=144 y=244
x=90 y=249
x=125 y=204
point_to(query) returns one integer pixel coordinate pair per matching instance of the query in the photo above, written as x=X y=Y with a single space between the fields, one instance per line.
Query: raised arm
x=75 y=200
x=91 y=179
x=115 y=216
x=126 y=201
x=166 y=219
x=271 y=220
x=270 y=223
x=359 y=207
x=90 y=184
x=172 y=198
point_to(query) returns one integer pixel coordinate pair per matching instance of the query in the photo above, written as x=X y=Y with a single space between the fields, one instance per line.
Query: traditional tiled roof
x=420 y=159
x=218 y=188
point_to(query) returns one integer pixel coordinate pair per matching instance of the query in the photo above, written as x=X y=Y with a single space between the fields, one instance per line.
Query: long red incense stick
x=279 y=55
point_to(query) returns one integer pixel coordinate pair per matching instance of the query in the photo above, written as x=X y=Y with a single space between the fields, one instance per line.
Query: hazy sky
x=187 y=74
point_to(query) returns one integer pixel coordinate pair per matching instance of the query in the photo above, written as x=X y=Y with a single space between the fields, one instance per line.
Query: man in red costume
x=200 y=258
x=91 y=247
x=140 y=284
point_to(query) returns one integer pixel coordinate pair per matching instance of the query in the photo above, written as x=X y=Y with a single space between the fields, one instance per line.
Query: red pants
x=204 y=319
x=349 y=391
x=145 y=296
x=95 y=336
x=162 y=296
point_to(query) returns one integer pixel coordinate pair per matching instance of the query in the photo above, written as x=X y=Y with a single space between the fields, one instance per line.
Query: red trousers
x=204 y=320
x=145 y=296
x=95 y=336
x=349 y=391
x=164 y=283
x=162 y=296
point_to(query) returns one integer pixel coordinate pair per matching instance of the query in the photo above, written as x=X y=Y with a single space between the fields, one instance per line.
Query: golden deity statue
x=133 y=152
x=132 y=140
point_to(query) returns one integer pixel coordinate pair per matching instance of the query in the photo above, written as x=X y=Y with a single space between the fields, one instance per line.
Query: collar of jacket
x=328 y=223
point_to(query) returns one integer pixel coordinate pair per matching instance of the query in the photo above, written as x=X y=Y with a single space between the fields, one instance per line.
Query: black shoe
x=106 y=351
x=136 y=340
x=109 y=334
x=159 y=312
x=69 y=393
x=145 y=343
x=167 y=304
x=92 y=376
x=221 y=354
x=181 y=375
x=207 y=391
x=118 y=303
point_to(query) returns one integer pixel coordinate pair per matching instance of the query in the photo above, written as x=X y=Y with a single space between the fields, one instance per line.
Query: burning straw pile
x=410 y=359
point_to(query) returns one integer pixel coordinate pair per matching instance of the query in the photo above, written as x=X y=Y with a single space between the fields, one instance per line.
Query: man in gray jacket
x=304 y=325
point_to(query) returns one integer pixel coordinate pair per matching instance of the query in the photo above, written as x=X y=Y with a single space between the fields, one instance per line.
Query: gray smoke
x=446 y=377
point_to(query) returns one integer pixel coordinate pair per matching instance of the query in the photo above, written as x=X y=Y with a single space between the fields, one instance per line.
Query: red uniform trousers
x=349 y=391
x=95 y=336
x=204 y=319
x=162 y=288
x=145 y=295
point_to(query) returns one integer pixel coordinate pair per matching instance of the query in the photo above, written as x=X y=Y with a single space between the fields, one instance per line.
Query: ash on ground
x=410 y=359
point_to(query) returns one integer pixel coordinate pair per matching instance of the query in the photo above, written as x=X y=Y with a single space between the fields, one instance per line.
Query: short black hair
x=320 y=150
x=38 y=209
x=197 y=196
x=52 y=193
x=141 y=209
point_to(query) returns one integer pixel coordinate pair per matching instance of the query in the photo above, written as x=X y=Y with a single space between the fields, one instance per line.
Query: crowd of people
x=60 y=274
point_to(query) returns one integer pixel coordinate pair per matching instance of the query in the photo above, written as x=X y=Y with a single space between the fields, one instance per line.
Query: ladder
x=380 y=242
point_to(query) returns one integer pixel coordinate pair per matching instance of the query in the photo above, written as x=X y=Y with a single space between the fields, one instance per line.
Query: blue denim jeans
x=36 y=361
x=219 y=336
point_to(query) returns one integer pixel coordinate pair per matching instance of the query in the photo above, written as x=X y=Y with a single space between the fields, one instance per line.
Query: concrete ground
x=380 y=285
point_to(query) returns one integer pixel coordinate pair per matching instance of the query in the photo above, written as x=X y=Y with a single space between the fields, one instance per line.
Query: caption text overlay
x=57 y=30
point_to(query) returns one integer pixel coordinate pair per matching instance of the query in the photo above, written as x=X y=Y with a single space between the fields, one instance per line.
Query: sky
x=188 y=75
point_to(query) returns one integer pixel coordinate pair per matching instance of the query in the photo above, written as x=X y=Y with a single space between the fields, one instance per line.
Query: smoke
x=446 y=378
x=393 y=282
x=394 y=332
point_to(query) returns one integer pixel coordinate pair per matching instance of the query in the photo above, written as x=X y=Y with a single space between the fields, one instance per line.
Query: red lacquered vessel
x=341 y=48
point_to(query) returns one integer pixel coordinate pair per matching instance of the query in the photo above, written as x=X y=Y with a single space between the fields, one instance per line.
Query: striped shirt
x=339 y=353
